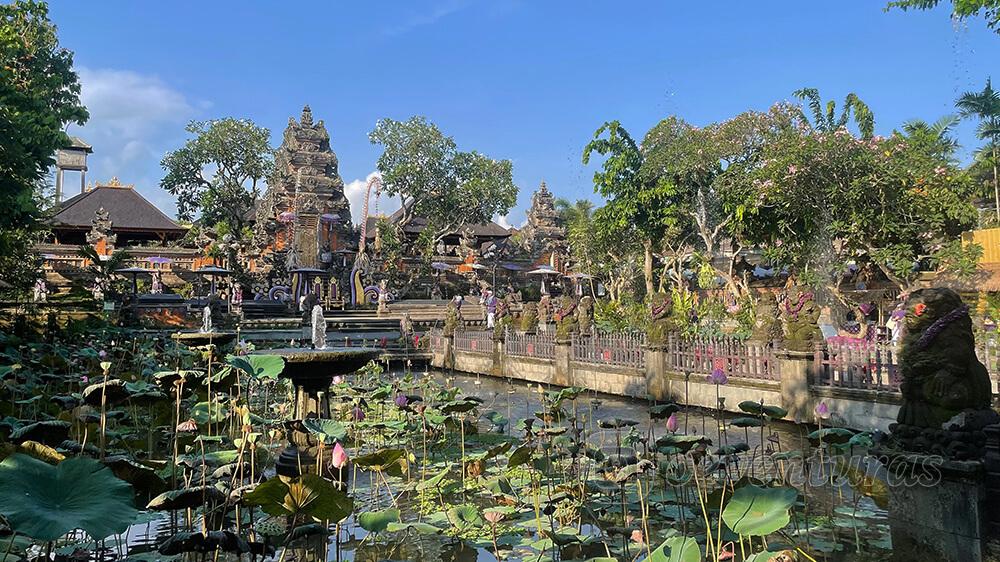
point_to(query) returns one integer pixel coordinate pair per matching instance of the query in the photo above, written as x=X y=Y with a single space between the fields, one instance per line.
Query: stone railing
x=480 y=341
x=624 y=349
x=861 y=365
x=737 y=358
x=520 y=344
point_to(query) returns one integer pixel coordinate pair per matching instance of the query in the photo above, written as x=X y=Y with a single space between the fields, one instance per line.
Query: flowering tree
x=830 y=205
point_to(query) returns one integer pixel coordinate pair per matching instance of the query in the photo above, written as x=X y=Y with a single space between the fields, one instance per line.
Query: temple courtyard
x=507 y=301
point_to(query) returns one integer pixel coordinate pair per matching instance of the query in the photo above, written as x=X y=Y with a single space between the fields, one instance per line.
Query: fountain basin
x=312 y=371
x=197 y=339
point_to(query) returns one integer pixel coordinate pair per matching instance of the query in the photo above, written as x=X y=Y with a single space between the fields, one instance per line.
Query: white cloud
x=355 y=192
x=430 y=17
x=134 y=119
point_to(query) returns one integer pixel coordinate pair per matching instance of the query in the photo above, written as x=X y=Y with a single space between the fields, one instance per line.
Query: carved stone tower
x=304 y=211
x=544 y=233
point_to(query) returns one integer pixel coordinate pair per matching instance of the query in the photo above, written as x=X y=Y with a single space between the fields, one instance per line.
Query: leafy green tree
x=635 y=205
x=39 y=96
x=985 y=107
x=961 y=9
x=936 y=137
x=437 y=182
x=216 y=175
x=825 y=118
x=835 y=205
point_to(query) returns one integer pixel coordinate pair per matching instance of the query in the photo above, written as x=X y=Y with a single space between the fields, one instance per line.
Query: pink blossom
x=401 y=400
x=188 y=426
x=822 y=411
x=792 y=169
x=493 y=517
x=672 y=423
x=637 y=536
x=358 y=414
x=339 y=457
x=338 y=379
x=85 y=379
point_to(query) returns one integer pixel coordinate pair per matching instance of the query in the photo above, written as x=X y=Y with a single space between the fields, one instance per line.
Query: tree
x=985 y=106
x=39 y=96
x=936 y=136
x=634 y=204
x=825 y=118
x=216 y=175
x=835 y=206
x=437 y=182
x=961 y=9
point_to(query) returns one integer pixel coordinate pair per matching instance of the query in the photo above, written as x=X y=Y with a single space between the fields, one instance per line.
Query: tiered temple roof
x=544 y=232
x=308 y=190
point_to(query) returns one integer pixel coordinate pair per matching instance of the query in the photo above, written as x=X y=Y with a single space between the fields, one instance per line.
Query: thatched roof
x=128 y=210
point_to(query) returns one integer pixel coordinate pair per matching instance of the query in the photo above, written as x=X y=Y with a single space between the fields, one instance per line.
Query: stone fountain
x=206 y=334
x=311 y=370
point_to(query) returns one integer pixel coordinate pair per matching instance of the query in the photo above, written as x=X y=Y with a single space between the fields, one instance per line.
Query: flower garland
x=564 y=313
x=794 y=310
x=939 y=325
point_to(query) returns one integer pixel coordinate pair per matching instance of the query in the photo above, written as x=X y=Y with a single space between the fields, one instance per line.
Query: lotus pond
x=128 y=446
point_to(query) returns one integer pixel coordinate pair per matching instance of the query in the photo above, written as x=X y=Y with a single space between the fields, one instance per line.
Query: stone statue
x=544 y=307
x=318 y=327
x=566 y=324
x=766 y=327
x=40 y=292
x=529 y=317
x=156 y=285
x=383 y=297
x=661 y=322
x=452 y=317
x=946 y=390
x=585 y=315
x=799 y=314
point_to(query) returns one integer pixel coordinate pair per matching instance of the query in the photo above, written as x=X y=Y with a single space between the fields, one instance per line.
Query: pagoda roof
x=418 y=224
x=127 y=209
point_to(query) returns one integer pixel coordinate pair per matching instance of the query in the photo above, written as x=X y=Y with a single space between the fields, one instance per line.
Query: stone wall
x=860 y=409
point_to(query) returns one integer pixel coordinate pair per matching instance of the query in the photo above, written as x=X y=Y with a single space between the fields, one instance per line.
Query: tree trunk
x=647 y=267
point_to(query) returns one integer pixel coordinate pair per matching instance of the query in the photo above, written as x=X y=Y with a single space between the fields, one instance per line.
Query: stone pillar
x=448 y=362
x=497 y=370
x=937 y=508
x=656 y=369
x=563 y=374
x=795 y=369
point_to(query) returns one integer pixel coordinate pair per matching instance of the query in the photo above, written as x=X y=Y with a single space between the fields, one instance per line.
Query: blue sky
x=525 y=80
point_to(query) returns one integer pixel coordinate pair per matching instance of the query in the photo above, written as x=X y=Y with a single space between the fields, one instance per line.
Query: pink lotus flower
x=493 y=517
x=189 y=426
x=672 y=423
x=822 y=411
x=339 y=457
x=637 y=536
x=85 y=379
x=102 y=354
x=338 y=379
x=401 y=400
x=358 y=414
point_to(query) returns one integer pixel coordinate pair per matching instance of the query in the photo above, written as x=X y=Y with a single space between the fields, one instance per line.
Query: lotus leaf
x=378 y=521
x=331 y=431
x=746 y=422
x=465 y=517
x=50 y=432
x=309 y=495
x=258 y=366
x=758 y=511
x=391 y=461
x=184 y=498
x=45 y=502
x=677 y=549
